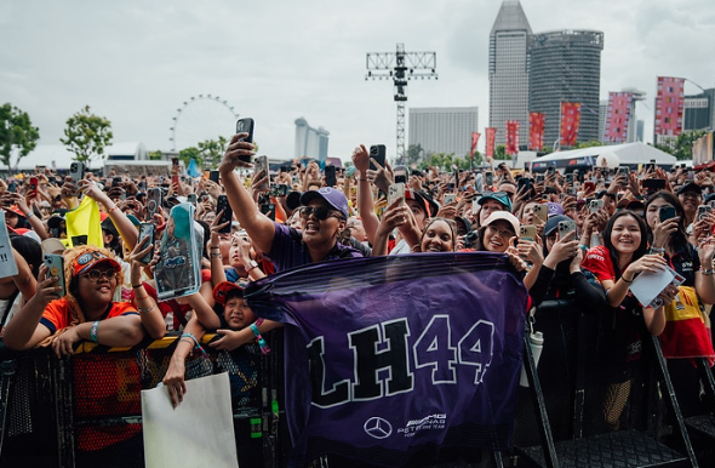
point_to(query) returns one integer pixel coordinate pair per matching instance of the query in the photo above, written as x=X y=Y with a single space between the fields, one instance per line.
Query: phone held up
x=667 y=212
x=330 y=177
x=77 y=171
x=245 y=125
x=55 y=267
x=227 y=216
x=261 y=164
x=378 y=153
x=147 y=230
x=153 y=203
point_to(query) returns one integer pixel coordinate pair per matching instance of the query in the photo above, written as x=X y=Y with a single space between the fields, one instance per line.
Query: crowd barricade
x=575 y=413
x=85 y=410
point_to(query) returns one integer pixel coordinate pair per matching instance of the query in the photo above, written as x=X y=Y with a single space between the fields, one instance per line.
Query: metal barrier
x=85 y=410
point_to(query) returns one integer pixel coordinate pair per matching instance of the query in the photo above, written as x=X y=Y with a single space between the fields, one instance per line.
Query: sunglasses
x=321 y=213
x=95 y=275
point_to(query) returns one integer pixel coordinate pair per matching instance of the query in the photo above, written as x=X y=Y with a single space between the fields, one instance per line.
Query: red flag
x=491 y=138
x=536 y=131
x=475 y=140
x=669 y=106
x=570 y=121
x=512 y=137
x=618 y=116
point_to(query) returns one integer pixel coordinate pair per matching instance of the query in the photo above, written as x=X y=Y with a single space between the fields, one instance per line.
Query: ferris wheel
x=200 y=118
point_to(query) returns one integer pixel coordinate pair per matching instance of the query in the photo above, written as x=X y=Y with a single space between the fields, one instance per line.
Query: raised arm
x=258 y=226
x=361 y=159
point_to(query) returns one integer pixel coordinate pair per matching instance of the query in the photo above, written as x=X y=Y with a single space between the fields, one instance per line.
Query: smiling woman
x=84 y=312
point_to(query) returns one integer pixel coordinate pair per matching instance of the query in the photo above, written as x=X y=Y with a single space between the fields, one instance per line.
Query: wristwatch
x=251 y=265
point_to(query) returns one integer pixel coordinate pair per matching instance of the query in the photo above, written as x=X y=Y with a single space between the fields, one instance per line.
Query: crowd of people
x=586 y=234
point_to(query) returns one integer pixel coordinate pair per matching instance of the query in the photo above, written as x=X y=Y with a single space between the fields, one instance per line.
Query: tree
x=415 y=154
x=212 y=151
x=682 y=147
x=86 y=135
x=16 y=134
x=187 y=154
x=155 y=155
x=586 y=144
x=500 y=153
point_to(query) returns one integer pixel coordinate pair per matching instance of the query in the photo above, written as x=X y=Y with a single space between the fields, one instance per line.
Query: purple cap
x=555 y=209
x=335 y=198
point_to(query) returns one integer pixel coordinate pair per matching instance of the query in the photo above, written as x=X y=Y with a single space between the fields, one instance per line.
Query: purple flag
x=390 y=356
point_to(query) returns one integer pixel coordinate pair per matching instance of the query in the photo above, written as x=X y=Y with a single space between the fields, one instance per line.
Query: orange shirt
x=57 y=313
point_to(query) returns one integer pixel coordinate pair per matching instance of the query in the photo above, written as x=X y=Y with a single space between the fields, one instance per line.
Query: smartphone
x=527 y=232
x=540 y=178
x=566 y=227
x=524 y=182
x=153 y=202
x=595 y=205
x=650 y=167
x=378 y=153
x=569 y=178
x=623 y=171
x=702 y=211
x=174 y=161
x=227 y=217
x=551 y=170
x=395 y=192
x=542 y=212
x=448 y=198
x=475 y=206
x=34 y=182
x=330 y=178
x=401 y=174
x=279 y=190
x=577 y=175
x=488 y=178
x=55 y=267
x=147 y=230
x=666 y=213
x=653 y=184
x=191 y=198
x=269 y=209
x=245 y=125
x=261 y=164
x=77 y=171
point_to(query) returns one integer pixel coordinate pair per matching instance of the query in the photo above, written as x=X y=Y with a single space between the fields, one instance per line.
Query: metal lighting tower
x=401 y=66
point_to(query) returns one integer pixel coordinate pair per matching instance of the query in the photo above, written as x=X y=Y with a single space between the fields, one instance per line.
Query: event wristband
x=257 y=333
x=93 y=332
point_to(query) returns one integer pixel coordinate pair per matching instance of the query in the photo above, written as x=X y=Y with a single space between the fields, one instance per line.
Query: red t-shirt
x=598 y=261
x=57 y=314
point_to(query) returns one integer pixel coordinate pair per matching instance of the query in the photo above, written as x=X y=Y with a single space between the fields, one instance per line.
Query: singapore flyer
x=200 y=118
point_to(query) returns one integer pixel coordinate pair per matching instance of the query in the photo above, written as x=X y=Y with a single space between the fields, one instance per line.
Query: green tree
x=155 y=155
x=187 y=154
x=86 y=135
x=211 y=152
x=682 y=146
x=16 y=134
x=415 y=154
x=500 y=153
x=586 y=144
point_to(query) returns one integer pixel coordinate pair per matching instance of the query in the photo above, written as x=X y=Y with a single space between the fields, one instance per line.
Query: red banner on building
x=536 y=131
x=669 y=106
x=475 y=140
x=512 y=137
x=618 y=117
x=491 y=138
x=570 y=121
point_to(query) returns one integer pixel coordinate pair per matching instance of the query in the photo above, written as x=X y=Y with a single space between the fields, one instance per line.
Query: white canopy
x=627 y=153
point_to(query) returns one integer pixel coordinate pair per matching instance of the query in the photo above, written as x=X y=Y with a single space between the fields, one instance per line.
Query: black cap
x=690 y=187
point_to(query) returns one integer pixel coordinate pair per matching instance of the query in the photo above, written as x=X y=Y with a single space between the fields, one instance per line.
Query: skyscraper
x=443 y=129
x=309 y=141
x=566 y=66
x=508 y=69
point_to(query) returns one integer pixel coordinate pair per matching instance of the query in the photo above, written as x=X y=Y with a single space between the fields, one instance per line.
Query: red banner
x=475 y=140
x=512 y=137
x=618 y=117
x=570 y=121
x=669 y=106
x=536 y=131
x=491 y=138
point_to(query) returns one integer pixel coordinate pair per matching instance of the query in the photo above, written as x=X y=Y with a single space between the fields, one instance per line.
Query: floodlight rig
x=401 y=66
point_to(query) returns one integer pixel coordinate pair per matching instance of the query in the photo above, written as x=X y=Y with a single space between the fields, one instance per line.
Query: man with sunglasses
x=85 y=311
x=324 y=214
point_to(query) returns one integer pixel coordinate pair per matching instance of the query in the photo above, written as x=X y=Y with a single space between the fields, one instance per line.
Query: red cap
x=91 y=259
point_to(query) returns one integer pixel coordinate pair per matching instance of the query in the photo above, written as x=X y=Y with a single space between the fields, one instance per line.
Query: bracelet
x=93 y=332
x=147 y=310
x=29 y=215
x=625 y=280
x=109 y=211
x=657 y=249
x=196 y=342
x=583 y=247
x=707 y=272
x=137 y=285
x=215 y=248
x=362 y=180
x=215 y=255
x=257 y=333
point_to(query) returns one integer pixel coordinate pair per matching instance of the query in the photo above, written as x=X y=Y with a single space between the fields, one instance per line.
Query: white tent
x=627 y=154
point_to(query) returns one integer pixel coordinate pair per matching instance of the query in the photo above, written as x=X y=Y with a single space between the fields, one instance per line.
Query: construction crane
x=401 y=66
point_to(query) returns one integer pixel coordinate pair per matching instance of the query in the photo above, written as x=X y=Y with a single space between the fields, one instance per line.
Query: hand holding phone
x=147 y=230
x=55 y=267
x=227 y=216
x=378 y=153
x=245 y=125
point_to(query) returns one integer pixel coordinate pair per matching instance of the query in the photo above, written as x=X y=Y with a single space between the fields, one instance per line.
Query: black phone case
x=378 y=153
x=222 y=204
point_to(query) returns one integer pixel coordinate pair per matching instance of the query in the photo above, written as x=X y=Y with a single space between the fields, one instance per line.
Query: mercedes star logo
x=378 y=427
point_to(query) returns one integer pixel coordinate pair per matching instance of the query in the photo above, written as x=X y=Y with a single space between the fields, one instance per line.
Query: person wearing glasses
x=324 y=212
x=86 y=310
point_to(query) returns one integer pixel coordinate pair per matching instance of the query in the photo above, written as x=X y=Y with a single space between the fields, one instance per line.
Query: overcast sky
x=136 y=62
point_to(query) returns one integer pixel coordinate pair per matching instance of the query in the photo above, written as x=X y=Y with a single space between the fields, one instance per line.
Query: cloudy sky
x=136 y=62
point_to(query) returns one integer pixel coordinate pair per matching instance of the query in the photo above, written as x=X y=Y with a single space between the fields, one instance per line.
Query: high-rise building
x=443 y=129
x=699 y=112
x=508 y=69
x=309 y=141
x=602 y=117
x=566 y=66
